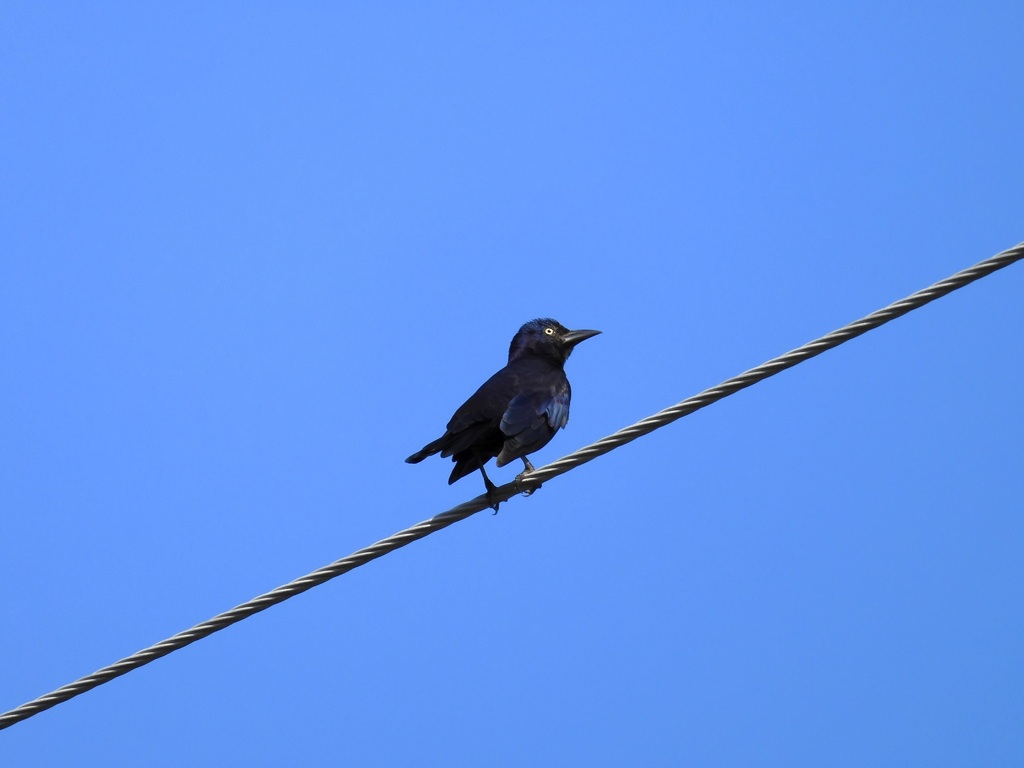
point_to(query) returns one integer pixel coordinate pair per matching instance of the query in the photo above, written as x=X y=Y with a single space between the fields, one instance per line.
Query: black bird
x=516 y=411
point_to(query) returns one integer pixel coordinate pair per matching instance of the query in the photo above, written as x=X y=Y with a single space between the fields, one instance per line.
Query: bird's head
x=547 y=338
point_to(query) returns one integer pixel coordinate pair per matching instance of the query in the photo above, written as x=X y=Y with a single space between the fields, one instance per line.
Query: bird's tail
x=427 y=450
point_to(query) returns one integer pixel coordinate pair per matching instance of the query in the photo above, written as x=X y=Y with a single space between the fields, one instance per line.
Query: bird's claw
x=519 y=484
x=527 y=470
x=492 y=502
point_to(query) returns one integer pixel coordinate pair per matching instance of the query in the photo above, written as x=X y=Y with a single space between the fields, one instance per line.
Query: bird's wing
x=557 y=410
x=530 y=421
x=475 y=425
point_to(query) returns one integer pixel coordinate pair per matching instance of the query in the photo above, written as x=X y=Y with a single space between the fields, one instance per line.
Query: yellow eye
x=549 y=331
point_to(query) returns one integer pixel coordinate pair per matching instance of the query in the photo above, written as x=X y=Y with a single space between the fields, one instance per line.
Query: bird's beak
x=572 y=338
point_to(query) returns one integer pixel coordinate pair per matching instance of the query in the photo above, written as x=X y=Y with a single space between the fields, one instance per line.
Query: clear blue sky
x=254 y=256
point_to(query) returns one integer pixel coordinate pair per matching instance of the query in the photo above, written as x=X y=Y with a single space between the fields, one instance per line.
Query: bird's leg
x=491 y=488
x=527 y=469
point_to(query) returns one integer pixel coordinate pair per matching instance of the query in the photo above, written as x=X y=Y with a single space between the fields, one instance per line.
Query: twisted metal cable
x=523 y=484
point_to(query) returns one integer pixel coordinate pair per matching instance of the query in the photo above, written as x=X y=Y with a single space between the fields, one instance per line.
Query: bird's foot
x=522 y=476
x=492 y=500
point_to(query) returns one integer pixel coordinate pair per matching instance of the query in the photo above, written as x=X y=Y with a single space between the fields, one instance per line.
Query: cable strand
x=524 y=483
